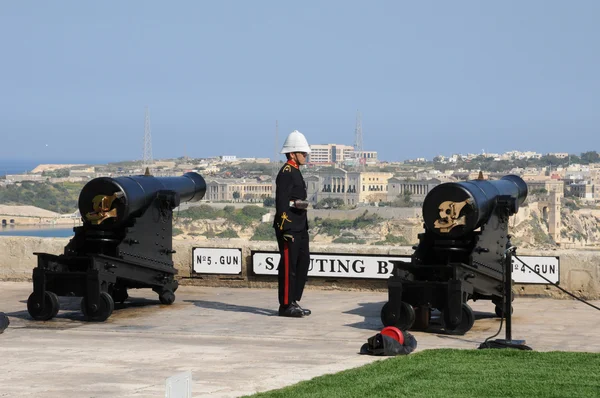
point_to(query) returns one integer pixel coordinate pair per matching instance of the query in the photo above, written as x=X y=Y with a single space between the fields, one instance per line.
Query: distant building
x=417 y=189
x=330 y=153
x=352 y=187
x=255 y=160
x=24 y=177
x=511 y=155
x=208 y=169
x=247 y=190
x=548 y=184
x=559 y=155
x=227 y=158
x=582 y=190
x=339 y=154
x=83 y=172
x=370 y=157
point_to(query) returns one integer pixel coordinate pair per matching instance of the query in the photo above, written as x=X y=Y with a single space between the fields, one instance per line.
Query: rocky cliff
x=579 y=228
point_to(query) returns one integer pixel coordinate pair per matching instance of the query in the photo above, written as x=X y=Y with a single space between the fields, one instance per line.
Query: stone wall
x=579 y=269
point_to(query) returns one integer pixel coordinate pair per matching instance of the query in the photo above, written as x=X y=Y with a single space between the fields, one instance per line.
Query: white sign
x=333 y=265
x=216 y=261
x=179 y=385
x=548 y=266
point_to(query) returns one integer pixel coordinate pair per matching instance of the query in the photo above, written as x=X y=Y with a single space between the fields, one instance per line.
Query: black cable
x=486 y=343
x=556 y=285
x=501 y=344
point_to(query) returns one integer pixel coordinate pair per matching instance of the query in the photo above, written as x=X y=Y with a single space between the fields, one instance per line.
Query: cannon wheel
x=51 y=306
x=466 y=323
x=422 y=318
x=119 y=295
x=403 y=321
x=166 y=297
x=500 y=311
x=104 y=310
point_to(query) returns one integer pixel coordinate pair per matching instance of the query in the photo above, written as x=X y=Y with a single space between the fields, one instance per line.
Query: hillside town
x=340 y=178
x=335 y=171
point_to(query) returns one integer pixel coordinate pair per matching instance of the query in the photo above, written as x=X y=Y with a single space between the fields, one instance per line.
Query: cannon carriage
x=125 y=242
x=462 y=255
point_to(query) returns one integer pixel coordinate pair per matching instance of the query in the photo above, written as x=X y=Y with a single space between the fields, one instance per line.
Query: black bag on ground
x=384 y=345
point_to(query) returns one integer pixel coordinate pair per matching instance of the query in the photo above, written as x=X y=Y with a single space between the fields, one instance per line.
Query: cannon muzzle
x=110 y=201
x=456 y=208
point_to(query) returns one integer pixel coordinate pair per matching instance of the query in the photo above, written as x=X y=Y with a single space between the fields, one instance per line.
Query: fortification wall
x=579 y=269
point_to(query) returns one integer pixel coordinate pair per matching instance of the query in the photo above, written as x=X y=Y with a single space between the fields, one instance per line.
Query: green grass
x=245 y=216
x=264 y=231
x=461 y=373
x=392 y=240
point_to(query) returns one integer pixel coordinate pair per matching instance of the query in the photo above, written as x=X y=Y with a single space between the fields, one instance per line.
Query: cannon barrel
x=110 y=201
x=456 y=208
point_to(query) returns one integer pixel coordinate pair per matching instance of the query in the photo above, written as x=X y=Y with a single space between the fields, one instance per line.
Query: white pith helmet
x=295 y=142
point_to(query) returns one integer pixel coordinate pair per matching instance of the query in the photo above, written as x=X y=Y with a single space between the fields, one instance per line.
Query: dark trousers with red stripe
x=293 y=266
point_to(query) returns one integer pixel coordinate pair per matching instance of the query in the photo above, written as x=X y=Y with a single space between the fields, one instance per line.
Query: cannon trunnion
x=461 y=256
x=125 y=242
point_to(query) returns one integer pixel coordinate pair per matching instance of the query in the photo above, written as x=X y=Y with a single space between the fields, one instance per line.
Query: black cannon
x=125 y=242
x=461 y=256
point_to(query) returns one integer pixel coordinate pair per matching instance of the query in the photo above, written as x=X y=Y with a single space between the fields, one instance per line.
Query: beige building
x=238 y=190
x=595 y=179
x=550 y=206
x=548 y=184
x=582 y=190
x=559 y=155
x=352 y=187
x=369 y=157
x=339 y=154
x=417 y=189
x=24 y=177
x=87 y=172
x=330 y=153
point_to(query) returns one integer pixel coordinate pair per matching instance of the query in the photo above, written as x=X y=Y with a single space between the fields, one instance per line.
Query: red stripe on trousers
x=286 y=263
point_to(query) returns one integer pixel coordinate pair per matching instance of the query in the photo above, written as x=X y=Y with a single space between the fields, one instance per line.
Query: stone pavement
x=232 y=341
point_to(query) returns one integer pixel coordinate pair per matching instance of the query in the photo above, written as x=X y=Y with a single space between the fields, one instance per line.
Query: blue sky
x=429 y=77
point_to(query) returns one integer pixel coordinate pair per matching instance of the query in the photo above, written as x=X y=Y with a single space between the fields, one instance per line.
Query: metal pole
x=508 y=296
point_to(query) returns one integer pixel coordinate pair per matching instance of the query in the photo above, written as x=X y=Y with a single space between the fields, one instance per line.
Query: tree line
x=58 y=197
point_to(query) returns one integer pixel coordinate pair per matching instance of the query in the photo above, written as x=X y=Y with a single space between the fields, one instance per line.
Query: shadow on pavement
x=70 y=308
x=372 y=314
x=215 y=305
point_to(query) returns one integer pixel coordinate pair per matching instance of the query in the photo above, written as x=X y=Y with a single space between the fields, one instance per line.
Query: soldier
x=291 y=226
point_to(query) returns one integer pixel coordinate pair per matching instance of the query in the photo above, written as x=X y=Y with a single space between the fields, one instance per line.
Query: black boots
x=293 y=311
x=290 y=311
x=305 y=311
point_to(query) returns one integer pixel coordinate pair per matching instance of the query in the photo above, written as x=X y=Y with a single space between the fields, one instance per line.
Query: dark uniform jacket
x=289 y=186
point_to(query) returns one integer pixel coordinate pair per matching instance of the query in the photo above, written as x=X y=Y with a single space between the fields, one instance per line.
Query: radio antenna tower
x=147 y=160
x=358 y=144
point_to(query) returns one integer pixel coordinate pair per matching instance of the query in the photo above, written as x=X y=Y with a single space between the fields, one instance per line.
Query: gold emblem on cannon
x=101 y=205
x=450 y=215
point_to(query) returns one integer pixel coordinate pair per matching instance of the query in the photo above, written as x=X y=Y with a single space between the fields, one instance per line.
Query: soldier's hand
x=288 y=238
x=301 y=204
